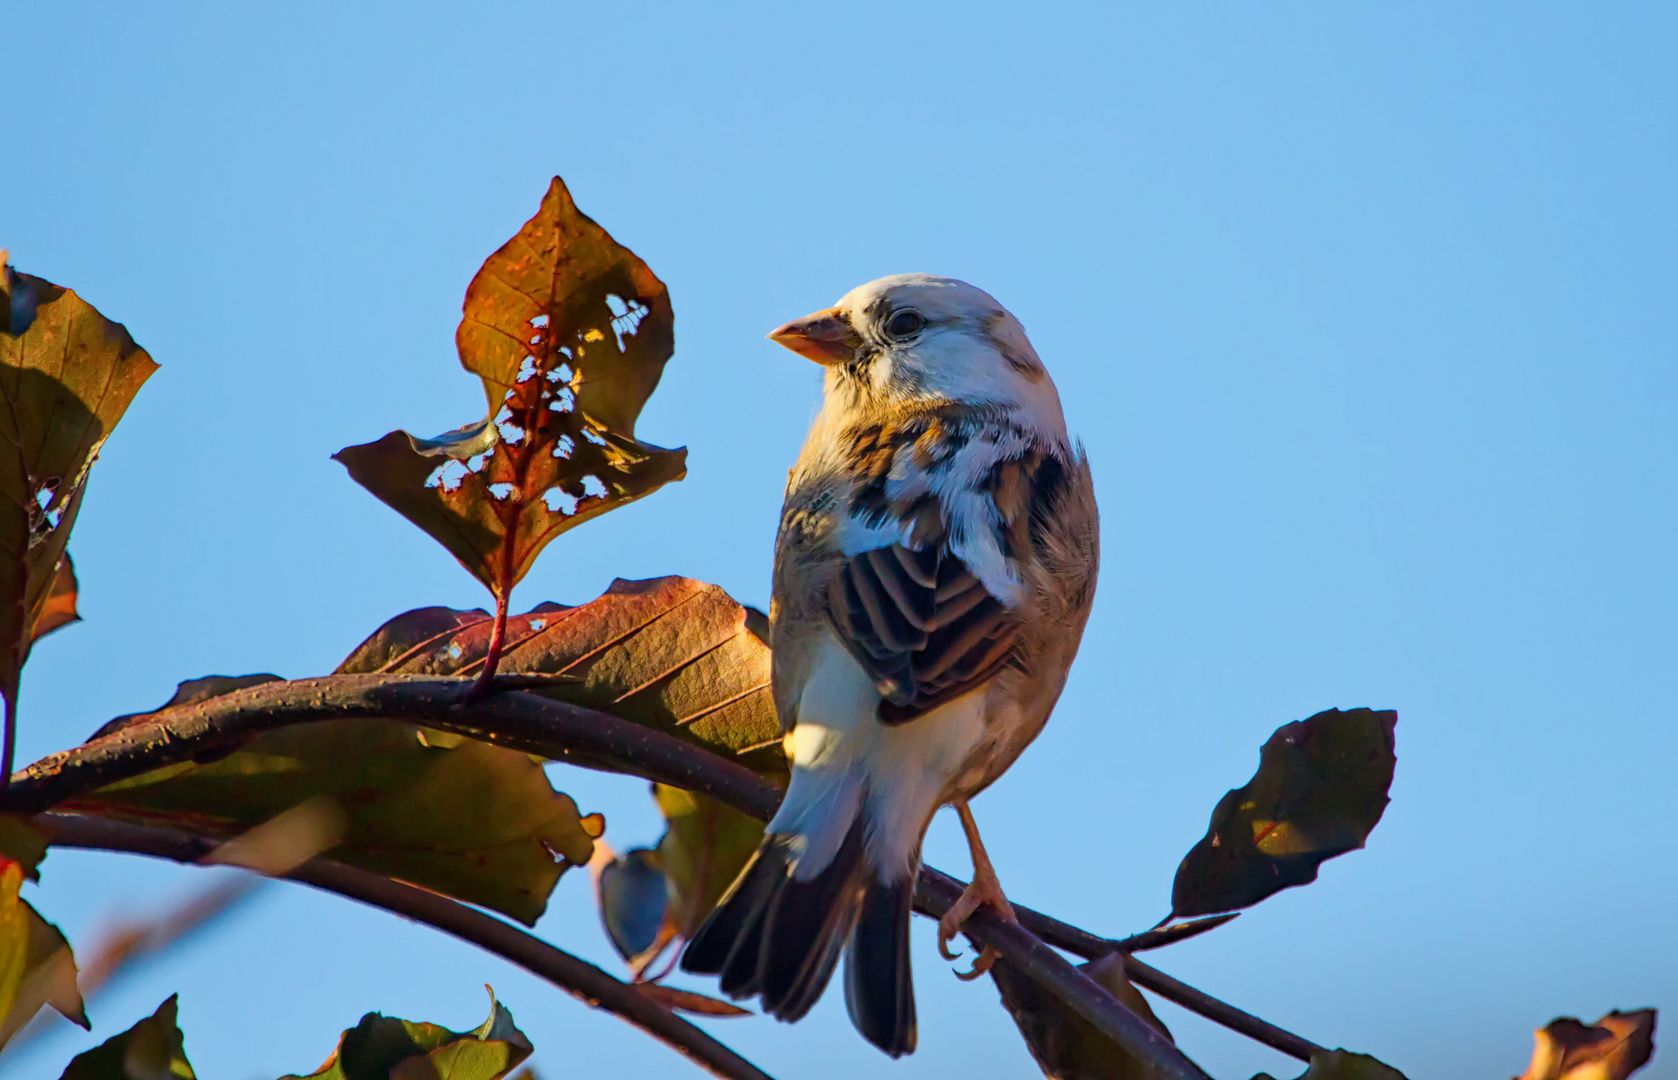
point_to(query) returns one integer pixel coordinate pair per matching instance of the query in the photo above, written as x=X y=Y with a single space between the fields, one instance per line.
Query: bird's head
x=915 y=337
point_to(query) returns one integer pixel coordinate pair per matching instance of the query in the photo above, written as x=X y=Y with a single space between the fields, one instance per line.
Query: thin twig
x=576 y=976
x=562 y=732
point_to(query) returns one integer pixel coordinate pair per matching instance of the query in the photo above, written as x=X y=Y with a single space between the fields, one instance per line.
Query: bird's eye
x=904 y=324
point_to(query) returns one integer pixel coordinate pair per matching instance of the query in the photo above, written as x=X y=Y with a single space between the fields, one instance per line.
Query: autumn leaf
x=385 y=1048
x=569 y=332
x=59 y=608
x=1611 y=1049
x=49 y=977
x=1065 y=1045
x=67 y=374
x=1320 y=789
x=478 y=822
x=674 y=654
x=689 y=1002
x=152 y=1049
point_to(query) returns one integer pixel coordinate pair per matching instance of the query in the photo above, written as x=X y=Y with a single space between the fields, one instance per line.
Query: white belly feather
x=842 y=754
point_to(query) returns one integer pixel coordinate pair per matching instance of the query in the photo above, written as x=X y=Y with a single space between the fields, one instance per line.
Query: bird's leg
x=983 y=889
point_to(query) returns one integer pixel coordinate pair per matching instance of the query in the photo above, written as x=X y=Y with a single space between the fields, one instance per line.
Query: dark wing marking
x=921 y=625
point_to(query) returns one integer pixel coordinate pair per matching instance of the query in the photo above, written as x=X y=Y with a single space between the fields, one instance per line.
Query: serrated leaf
x=153 y=1049
x=569 y=332
x=67 y=374
x=385 y=1048
x=674 y=654
x=477 y=822
x=1611 y=1049
x=1320 y=789
x=1065 y=1045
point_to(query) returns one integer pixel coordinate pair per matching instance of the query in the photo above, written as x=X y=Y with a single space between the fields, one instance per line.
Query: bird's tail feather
x=878 y=991
x=777 y=936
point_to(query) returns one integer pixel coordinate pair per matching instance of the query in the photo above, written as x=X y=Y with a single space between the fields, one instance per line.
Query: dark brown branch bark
x=598 y=740
x=577 y=977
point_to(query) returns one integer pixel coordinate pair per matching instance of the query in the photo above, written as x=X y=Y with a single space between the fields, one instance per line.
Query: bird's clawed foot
x=983 y=889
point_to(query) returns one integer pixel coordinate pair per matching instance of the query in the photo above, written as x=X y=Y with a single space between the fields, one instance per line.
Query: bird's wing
x=915 y=616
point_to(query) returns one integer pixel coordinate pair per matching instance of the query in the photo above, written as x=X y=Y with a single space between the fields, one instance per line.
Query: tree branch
x=581 y=736
x=578 y=977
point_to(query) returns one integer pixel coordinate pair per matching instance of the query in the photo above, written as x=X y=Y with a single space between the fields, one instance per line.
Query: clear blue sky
x=1365 y=313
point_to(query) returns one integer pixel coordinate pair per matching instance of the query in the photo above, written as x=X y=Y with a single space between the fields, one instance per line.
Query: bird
x=934 y=568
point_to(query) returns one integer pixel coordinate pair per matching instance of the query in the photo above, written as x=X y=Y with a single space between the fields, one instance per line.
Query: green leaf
x=384 y=1048
x=23 y=843
x=477 y=822
x=1611 y=1049
x=1321 y=787
x=49 y=977
x=1065 y=1045
x=1345 y=1065
x=150 y=1050
x=569 y=332
x=705 y=847
x=674 y=654
x=67 y=374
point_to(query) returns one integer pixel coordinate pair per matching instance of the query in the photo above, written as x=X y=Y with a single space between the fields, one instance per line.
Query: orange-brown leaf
x=569 y=332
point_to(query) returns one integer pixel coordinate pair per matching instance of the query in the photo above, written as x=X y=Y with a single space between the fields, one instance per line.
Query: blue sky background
x=1365 y=313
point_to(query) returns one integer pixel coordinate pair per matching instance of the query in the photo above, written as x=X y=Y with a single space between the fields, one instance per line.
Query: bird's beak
x=825 y=337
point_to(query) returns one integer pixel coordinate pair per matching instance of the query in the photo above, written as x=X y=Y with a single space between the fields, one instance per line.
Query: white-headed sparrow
x=934 y=569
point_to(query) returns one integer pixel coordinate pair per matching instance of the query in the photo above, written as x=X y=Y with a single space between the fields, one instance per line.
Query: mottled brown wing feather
x=921 y=625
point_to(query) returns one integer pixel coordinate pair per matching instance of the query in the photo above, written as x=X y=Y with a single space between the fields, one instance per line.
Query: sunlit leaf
x=689 y=1002
x=569 y=332
x=14 y=934
x=477 y=822
x=150 y=1050
x=58 y=610
x=671 y=653
x=49 y=978
x=384 y=1048
x=67 y=374
x=1321 y=787
x=1611 y=1049
x=1065 y=1045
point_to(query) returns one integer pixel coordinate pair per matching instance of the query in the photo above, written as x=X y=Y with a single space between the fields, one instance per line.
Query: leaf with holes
x=153 y=1048
x=1611 y=1049
x=1320 y=789
x=478 y=822
x=67 y=374
x=385 y=1048
x=674 y=654
x=1064 y=1044
x=569 y=332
